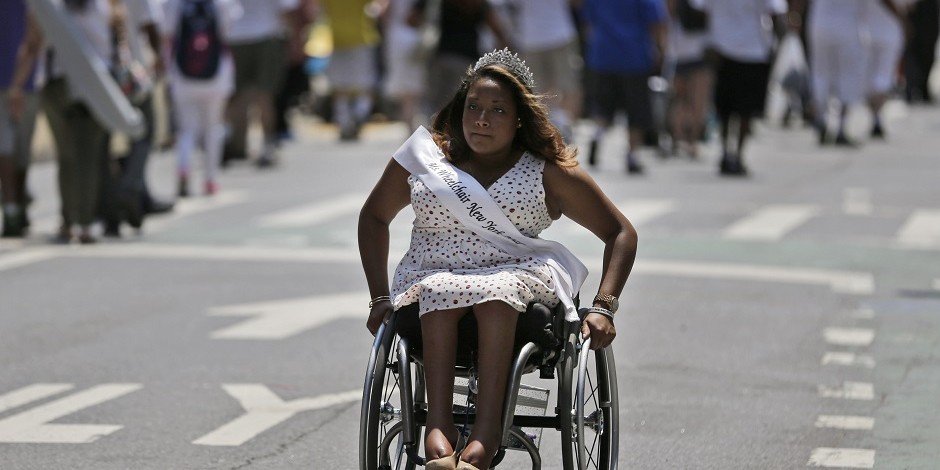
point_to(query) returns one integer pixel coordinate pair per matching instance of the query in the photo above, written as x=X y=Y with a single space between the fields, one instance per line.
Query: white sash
x=469 y=202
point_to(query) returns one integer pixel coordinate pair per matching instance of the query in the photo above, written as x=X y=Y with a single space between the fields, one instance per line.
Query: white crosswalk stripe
x=921 y=230
x=314 y=213
x=641 y=211
x=828 y=457
x=850 y=423
x=771 y=223
x=849 y=391
x=847 y=359
x=849 y=336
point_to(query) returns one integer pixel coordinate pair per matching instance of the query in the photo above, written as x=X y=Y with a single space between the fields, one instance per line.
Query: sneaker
x=211 y=188
x=111 y=230
x=63 y=236
x=131 y=208
x=349 y=133
x=843 y=141
x=13 y=226
x=266 y=161
x=155 y=206
x=822 y=135
x=732 y=167
x=182 y=186
x=633 y=166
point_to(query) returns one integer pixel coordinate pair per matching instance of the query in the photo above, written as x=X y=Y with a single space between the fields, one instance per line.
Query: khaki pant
x=81 y=145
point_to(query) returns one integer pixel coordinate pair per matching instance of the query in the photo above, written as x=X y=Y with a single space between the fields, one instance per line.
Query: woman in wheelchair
x=494 y=173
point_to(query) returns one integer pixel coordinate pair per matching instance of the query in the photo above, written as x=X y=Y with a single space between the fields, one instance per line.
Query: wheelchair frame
x=586 y=412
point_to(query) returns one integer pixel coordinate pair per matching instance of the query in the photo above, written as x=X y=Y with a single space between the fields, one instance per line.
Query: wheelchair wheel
x=595 y=420
x=381 y=443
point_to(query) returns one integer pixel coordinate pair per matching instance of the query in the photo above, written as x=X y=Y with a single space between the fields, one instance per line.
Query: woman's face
x=490 y=118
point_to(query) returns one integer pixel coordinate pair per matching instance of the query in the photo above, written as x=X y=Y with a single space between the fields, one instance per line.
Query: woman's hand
x=600 y=329
x=379 y=314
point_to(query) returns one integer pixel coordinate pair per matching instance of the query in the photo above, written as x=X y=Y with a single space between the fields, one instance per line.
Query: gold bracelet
x=378 y=299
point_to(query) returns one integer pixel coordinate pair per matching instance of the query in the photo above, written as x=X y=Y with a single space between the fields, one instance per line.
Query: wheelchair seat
x=539 y=324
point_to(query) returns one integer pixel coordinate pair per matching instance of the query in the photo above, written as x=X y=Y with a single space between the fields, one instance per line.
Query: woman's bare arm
x=389 y=196
x=572 y=192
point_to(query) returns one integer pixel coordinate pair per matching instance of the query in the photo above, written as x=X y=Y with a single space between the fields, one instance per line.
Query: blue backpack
x=198 y=43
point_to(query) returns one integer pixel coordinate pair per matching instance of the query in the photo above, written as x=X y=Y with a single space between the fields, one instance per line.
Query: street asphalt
x=786 y=320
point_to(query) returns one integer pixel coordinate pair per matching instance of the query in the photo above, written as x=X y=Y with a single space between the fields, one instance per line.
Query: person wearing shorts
x=741 y=37
x=256 y=40
x=624 y=48
x=352 y=70
x=548 y=42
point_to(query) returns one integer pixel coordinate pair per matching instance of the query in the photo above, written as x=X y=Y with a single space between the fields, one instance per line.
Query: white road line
x=216 y=253
x=264 y=410
x=851 y=423
x=842 y=458
x=845 y=282
x=285 y=318
x=29 y=394
x=32 y=426
x=25 y=258
x=849 y=336
x=771 y=223
x=195 y=205
x=864 y=313
x=857 y=201
x=641 y=211
x=847 y=359
x=849 y=391
x=922 y=230
x=313 y=213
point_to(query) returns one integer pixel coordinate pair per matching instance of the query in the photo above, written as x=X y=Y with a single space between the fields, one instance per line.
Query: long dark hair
x=537 y=135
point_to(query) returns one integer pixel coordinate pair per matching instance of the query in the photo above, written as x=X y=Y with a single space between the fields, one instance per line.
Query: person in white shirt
x=884 y=22
x=199 y=98
x=741 y=34
x=547 y=40
x=256 y=39
x=837 y=60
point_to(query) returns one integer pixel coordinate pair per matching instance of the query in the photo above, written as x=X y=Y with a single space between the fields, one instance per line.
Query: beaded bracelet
x=602 y=311
x=378 y=299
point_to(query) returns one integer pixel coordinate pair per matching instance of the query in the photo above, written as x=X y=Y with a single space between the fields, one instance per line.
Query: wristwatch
x=609 y=300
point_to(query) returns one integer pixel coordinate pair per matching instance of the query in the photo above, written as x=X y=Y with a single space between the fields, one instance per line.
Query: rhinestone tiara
x=511 y=62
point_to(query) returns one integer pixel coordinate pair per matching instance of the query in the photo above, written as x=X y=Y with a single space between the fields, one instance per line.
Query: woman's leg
x=679 y=112
x=497 y=326
x=187 y=118
x=439 y=335
x=701 y=85
x=213 y=135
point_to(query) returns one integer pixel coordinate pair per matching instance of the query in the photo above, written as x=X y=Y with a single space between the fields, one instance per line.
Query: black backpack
x=691 y=18
x=198 y=44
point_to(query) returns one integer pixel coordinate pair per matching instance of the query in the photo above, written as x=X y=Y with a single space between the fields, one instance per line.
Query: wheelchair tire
x=380 y=415
x=593 y=438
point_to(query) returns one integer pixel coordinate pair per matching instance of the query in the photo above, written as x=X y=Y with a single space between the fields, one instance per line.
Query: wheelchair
x=586 y=411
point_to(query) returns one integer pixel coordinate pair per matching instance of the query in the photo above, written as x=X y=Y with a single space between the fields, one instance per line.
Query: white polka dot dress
x=448 y=266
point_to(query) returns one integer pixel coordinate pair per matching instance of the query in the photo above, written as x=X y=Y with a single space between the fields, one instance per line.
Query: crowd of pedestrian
x=675 y=69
